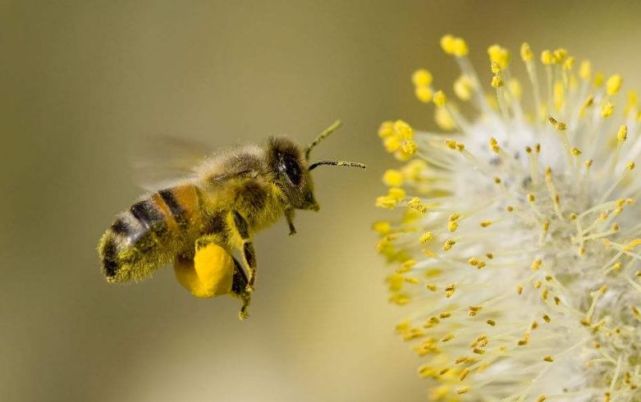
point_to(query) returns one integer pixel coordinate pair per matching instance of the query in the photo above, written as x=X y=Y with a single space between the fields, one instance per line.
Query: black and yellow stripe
x=144 y=237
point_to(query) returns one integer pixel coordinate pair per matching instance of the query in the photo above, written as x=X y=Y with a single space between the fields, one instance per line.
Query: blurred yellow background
x=81 y=81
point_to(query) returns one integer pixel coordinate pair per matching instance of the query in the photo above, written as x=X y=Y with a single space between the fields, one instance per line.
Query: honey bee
x=204 y=224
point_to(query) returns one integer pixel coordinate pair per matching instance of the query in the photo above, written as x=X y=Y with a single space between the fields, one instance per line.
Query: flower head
x=517 y=252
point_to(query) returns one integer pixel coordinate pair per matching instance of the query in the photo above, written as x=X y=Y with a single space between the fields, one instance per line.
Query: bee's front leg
x=289 y=215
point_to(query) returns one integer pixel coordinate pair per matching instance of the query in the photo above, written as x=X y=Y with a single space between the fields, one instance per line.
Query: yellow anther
x=474 y=261
x=382 y=227
x=575 y=152
x=417 y=205
x=568 y=64
x=607 y=109
x=491 y=323
x=632 y=245
x=440 y=99
x=632 y=102
x=449 y=290
x=559 y=125
x=499 y=56
x=486 y=223
x=393 y=178
x=526 y=52
x=494 y=145
x=536 y=264
x=408 y=148
x=403 y=130
x=392 y=143
x=447 y=338
x=613 y=84
x=455 y=146
x=559 y=55
x=630 y=165
x=599 y=78
x=463 y=389
x=546 y=318
x=519 y=289
x=454 y=46
x=422 y=78
x=541 y=398
x=431 y=287
x=444 y=119
x=452 y=226
x=548 y=359
x=464 y=373
x=515 y=88
x=588 y=163
x=531 y=197
x=585 y=70
x=426 y=237
x=622 y=134
x=386 y=129
x=396 y=193
x=448 y=245
x=423 y=94
x=547 y=57
x=463 y=87
x=497 y=81
x=385 y=201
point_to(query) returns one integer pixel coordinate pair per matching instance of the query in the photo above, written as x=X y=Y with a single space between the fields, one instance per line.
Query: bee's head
x=291 y=165
x=292 y=174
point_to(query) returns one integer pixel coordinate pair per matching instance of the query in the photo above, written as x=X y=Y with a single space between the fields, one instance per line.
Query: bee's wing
x=163 y=161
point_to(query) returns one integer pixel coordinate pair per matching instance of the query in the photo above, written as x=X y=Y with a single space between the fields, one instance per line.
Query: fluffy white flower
x=517 y=253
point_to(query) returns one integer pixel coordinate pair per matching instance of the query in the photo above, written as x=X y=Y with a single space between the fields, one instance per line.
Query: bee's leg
x=245 y=249
x=289 y=215
x=240 y=290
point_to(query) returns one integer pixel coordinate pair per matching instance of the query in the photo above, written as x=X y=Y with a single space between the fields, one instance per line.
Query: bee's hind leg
x=240 y=289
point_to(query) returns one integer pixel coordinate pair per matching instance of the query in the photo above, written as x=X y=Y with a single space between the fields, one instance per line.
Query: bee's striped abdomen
x=149 y=234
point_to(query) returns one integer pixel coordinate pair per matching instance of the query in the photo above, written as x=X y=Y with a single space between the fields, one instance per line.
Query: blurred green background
x=81 y=81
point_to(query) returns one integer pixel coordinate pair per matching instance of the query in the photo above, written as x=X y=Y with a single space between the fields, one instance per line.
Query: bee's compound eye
x=292 y=169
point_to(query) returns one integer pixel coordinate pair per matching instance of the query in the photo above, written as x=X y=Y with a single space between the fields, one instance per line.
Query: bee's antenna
x=337 y=163
x=326 y=133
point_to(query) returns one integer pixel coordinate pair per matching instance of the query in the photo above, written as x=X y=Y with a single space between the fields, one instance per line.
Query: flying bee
x=204 y=225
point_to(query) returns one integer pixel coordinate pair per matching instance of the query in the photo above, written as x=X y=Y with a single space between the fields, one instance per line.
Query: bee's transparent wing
x=164 y=161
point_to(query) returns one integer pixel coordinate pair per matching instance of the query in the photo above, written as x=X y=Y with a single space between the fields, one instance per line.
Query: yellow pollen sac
x=417 y=205
x=496 y=82
x=423 y=94
x=396 y=193
x=568 y=64
x=548 y=359
x=632 y=245
x=599 y=78
x=485 y=224
x=385 y=201
x=440 y=98
x=499 y=56
x=575 y=152
x=422 y=77
x=536 y=264
x=559 y=125
x=454 y=46
x=403 y=130
x=622 y=134
x=613 y=84
x=447 y=246
x=386 y=129
x=426 y=237
x=463 y=87
x=531 y=197
x=491 y=323
x=393 y=178
x=408 y=148
x=449 y=290
x=444 y=119
x=559 y=55
x=630 y=165
x=452 y=226
x=585 y=70
x=392 y=143
x=515 y=88
x=547 y=57
x=382 y=227
x=494 y=145
x=526 y=52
